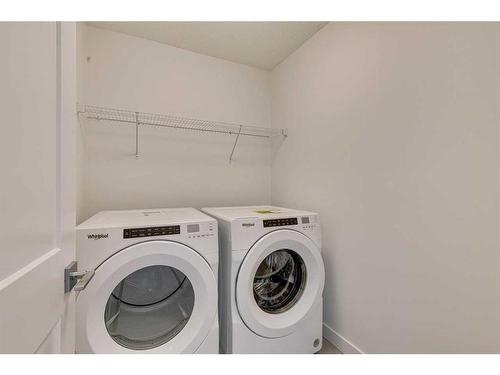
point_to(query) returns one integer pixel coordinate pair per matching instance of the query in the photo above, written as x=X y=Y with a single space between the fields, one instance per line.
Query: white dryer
x=271 y=280
x=154 y=289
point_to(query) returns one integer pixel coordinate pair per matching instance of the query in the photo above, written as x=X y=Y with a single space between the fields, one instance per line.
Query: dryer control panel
x=151 y=231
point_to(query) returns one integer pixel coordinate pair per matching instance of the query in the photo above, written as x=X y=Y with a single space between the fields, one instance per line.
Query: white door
x=279 y=281
x=37 y=209
x=152 y=297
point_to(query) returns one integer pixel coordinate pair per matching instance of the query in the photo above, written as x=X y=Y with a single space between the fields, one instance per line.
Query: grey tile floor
x=329 y=348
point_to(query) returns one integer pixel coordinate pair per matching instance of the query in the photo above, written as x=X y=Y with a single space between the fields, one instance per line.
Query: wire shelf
x=162 y=120
x=168 y=121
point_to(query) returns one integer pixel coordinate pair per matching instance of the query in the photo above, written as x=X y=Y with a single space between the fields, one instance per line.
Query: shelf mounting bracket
x=235 y=142
x=137 y=135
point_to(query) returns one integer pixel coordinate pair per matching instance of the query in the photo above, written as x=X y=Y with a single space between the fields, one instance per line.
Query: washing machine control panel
x=245 y=230
x=151 y=231
x=305 y=221
x=280 y=222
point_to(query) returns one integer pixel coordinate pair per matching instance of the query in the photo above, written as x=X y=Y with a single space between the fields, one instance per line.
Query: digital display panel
x=193 y=228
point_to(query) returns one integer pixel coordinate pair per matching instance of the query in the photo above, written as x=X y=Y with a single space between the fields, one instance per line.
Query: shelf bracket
x=235 y=142
x=137 y=135
x=80 y=108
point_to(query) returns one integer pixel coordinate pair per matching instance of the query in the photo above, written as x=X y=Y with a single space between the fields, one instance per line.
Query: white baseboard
x=344 y=345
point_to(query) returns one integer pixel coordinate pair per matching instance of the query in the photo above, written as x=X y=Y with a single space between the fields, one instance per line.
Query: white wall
x=175 y=168
x=393 y=139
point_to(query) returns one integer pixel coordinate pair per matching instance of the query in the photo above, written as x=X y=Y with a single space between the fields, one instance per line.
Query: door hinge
x=74 y=279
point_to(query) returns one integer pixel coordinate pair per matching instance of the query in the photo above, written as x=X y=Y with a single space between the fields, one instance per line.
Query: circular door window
x=149 y=307
x=279 y=281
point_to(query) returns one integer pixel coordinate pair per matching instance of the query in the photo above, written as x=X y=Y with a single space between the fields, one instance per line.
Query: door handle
x=83 y=278
x=76 y=280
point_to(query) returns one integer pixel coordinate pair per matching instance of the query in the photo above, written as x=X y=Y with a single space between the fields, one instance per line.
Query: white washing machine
x=271 y=280
x=154 y=289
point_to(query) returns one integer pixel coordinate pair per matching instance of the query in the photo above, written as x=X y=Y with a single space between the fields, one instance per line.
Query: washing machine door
x=279 y=281
x=152 y=297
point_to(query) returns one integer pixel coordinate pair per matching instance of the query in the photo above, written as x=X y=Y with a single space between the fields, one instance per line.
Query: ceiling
x=259 y=44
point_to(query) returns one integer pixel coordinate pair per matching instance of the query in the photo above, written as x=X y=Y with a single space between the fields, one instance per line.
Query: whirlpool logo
x=97 y=236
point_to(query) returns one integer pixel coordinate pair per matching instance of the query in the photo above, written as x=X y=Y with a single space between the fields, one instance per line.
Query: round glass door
x=149 y=307
x=279 y=281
